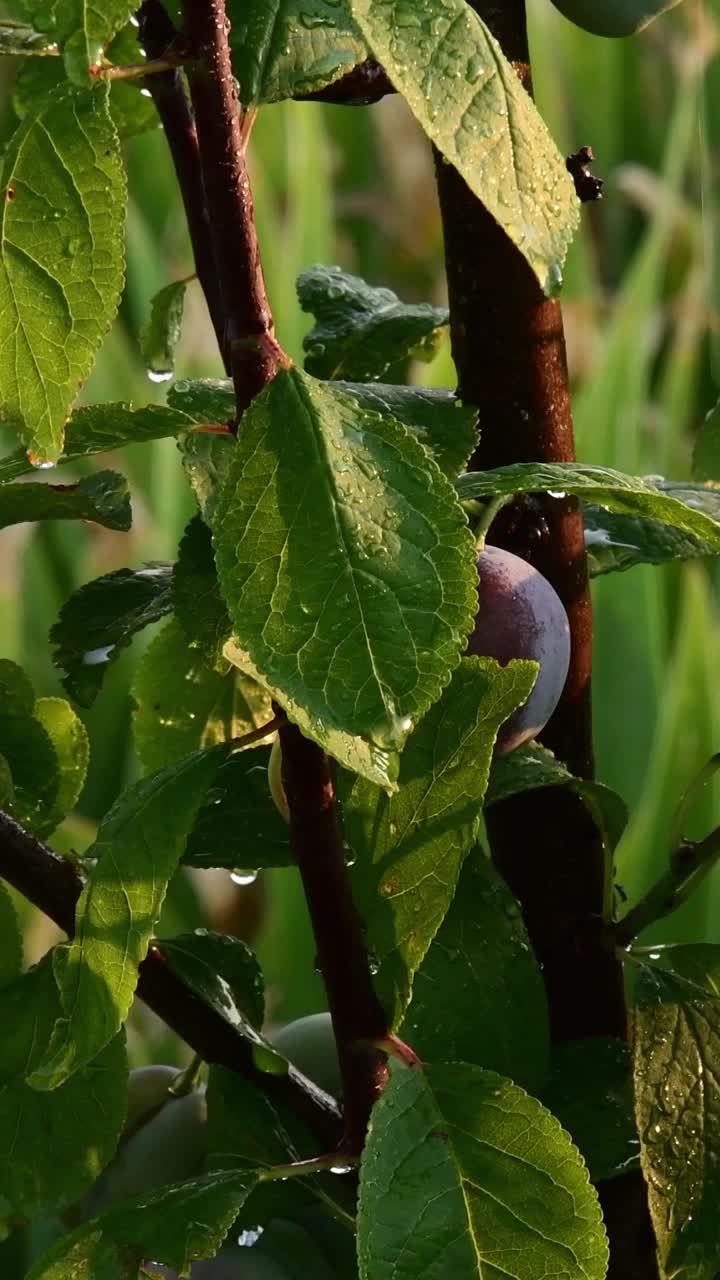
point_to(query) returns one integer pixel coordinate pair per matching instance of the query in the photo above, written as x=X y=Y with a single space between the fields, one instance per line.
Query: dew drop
x=40 y=463
x=341 y=1168
x=95 y=657
x=249 y=1237
x=159 y=375
x=244 y=876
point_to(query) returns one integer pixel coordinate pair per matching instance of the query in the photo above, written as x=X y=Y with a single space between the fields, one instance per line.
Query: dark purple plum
x=521 y=616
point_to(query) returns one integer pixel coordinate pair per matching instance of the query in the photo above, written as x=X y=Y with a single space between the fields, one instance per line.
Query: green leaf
x=102 y=497
x=61 y=270
x=174 y=1225
x=613 y=17
x=465 y=1175
x=706 y=454
x=649 y=497
x=222 y=970
x=19 y=38
x=52 y=1145
x=138 y=847
x=100 y=620
x=616 y=541
x=352 y=593
x=27 y=751
x=160 y=334
x=207 y=458
x=98 y=428
x=7 y=790
x=677 y=1106
x=533 y=766
x=590 y=1092
x=698 y=962
x=239 y=825
x=479 y=996
x=11 y=946
x=379 y=765
x=199 y=606
x=69 y=737
x=285 y=47
x=469 y=100
x=131 y=112
x=182 y=705
x=361 y=332
x=81 y=30
x=408 y=848
x=435 y=416
x=250 y=1128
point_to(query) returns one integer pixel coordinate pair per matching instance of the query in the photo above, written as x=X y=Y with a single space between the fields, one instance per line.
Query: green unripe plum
x=309 y=1044
x=169 y=1148
x=613 y=17
x=147 y=1092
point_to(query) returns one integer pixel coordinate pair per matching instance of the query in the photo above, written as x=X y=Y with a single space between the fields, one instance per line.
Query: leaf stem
x=137 y=70
x=251 y=351
x=53 y=884
x=168 y=92
x=357 y=1015
x=689 y=864
x=256 y=735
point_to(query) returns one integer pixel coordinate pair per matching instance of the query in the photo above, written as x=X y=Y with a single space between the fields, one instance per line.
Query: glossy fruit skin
x=309 y=1043
x=521 y=616
x=169 y=1148
x=147 y=1091
x=613 y=18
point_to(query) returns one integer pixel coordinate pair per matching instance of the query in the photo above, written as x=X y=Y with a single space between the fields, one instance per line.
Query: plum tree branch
x=357 y=1015
x=251 y=350
x=509 y=350
x=54 y=885
x=254 y=359
x=167 y=89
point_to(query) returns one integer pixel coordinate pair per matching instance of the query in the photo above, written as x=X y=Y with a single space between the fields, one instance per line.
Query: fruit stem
x=490 y=510
x=188 y=1078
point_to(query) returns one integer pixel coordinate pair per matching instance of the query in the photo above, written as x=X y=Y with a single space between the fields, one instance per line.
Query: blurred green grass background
x=355 y=187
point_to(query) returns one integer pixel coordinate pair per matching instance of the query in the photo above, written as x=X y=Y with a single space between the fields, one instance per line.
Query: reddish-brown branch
x=252 y=352
x=157 y=33
x=53 y=884
x=509 y=350
x=357 y=1014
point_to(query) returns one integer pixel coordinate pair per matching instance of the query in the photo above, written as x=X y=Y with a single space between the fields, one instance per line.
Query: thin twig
x=689 y=864
x=252 y=351
x=54 y=885
x=157 y=34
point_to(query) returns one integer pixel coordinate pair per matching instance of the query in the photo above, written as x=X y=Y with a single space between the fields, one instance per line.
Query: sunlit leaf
x=61 y=269
x=441 y=57
x=465 y=1175
x=407 y=849
x=138 y=847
